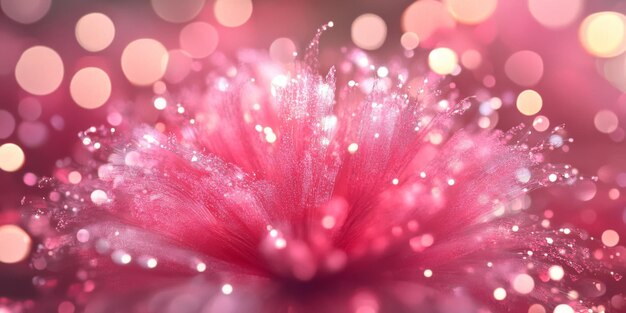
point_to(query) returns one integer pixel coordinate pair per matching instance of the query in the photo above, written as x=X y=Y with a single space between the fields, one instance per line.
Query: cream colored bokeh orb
x=610 y=238
x=443 y=61
x=529 y=102
x=471 y=11
x=39 y=70
x=144 y=61
x=90 y=87
x=11 y=157
x=555 y=13
x=603 y=34
x=199 y=39
x=368 y=31
x=14 y=244
x=232 y=13
x=95 y=32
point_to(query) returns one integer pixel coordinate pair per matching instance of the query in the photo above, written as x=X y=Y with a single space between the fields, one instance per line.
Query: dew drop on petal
x=99 y=197
x=200 y=267
x=160 y=103
x=563 y=308
x=227 y=289
x=121 y=257
x=499 y=294
x=541 y=123
x=353 y=147
x=82 y=235
x=556 y=272
x=523 y=175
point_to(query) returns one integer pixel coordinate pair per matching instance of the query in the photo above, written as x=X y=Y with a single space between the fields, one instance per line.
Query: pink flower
x=272 y=190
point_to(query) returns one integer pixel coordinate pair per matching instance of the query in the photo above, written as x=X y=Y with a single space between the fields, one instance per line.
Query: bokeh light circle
x=177 y=11
x=529 y=102
x=556 y=272
x=603 y=34
x=605 y=121
x=425 y=17
x=523 y=284
x=409 y=40
x=555 y=13
x=25 y=11
x=39 y=70
x=29 y=109
x=471 y=11
x=11 y=157
x=499 y=294
x=199 y=39
x=471 y=59
x=610 y=238
x=585 y=190
x=232 y=13
x=32 y=134
x=7 y=124
x=144 y=61
x=541 y=123
x=524 y=68
x=90 y=87
x=283 y=50
x=442 y=61
x=614 y=70
x=536 y=308
x=563 y=308
x=15 y=244
x=95 y=32
x=179 y=64
x=369 y=31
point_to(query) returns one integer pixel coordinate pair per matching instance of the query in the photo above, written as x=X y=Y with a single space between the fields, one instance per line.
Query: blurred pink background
x=565 y=51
